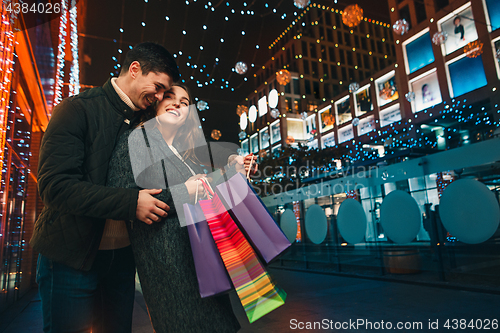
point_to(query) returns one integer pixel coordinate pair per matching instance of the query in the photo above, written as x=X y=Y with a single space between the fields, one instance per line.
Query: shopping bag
x=252 y=217
x=210 y=270
x=257 y=292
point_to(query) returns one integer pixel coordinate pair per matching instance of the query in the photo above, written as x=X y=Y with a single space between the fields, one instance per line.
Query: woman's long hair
x=188 y=134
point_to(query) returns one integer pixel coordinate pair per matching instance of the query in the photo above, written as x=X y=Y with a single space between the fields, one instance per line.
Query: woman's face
x=174 y=108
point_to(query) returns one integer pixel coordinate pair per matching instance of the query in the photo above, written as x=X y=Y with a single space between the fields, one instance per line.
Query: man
x=86 y=280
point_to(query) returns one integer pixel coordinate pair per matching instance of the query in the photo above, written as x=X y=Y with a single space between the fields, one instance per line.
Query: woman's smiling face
x=173 y=110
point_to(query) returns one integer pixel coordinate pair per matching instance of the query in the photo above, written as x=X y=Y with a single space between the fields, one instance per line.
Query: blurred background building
x=410 y=113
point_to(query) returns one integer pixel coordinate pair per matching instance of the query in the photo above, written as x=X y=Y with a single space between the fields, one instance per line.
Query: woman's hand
x=194 y=184
x=242 y=164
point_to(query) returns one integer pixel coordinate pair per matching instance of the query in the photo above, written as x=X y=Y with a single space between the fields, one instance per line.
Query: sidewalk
x=329 y=300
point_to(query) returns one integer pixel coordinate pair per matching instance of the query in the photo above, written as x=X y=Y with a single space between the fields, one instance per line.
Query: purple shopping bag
x=212 y=276
x=252 y=217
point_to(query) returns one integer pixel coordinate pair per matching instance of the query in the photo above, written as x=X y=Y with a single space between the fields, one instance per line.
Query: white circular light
x=288 y=225
x=243 y=121
x=469 y=211
x=351 y=221
x=273 y=98
x=316 y=224
x=252 y=113
x=400 y=217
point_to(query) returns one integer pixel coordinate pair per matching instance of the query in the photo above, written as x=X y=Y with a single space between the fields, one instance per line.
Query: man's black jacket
x=72 y=170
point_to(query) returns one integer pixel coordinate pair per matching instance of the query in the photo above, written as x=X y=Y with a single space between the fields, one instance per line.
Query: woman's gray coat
x=162 y=250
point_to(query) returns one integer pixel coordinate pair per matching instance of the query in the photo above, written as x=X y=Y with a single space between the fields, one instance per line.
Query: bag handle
x=249 y=168
x=208 y=188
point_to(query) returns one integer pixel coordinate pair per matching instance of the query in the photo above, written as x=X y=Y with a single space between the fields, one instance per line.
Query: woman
x=162 y=152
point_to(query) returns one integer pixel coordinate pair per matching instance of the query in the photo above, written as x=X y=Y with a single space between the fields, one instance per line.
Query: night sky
x=199 y=34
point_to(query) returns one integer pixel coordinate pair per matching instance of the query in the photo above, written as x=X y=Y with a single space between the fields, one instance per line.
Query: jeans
x=101 y=300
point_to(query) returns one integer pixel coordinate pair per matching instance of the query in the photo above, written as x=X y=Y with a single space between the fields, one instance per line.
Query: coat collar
x=117 y=102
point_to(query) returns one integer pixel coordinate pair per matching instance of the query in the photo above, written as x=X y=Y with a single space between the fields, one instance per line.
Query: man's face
x=149 y=88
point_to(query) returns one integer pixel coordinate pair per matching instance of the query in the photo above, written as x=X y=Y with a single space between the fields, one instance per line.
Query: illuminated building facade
x=413 y=129
x=323 y=56
x=39 y=66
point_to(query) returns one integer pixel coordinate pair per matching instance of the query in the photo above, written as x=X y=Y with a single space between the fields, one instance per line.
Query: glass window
x=366 y=61
x=329 y=35
x=387 y=90
x=296 y=105
x=333 y=70
x=363 y=43
x=304 y=49
x=349 y=59
x=264 y=138
x=460 y=29
x=419 y=53
x=347 y=39
x=244 y=147
x=343 y=109
x=427 y=92
x=306 y=67
x=466 y=74
x=339 y=36
x=390 y=115
x=308 y=87
x=296 y=86
x=363 y=101
x=275 y=132
x=494 y=13
x=315 y=72
x=420 y=11
x=326 y=120
x=325 y=70
x=404 y=13
x=287 y=88
x=254 y=143
x=328 y=18
x=313 y=50
x=331 y=53
x=342 y=57
x=316 y=89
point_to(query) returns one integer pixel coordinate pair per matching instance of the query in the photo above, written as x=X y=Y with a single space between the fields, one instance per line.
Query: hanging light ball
x=275 y=113
x=242 y=135
x=473 y=49
x=352 y=15
x=303 y=115
x=289 y=140
x=353 y=87
x=301 y=4
x=355 y=122
x=262 y=153
x=401 y=27
x=410 y=97
x=439 y=37
x=241 y=67
x=202 y=105
x=265 y=137
x=240 y=109
x=216 y=134
x=283 y=77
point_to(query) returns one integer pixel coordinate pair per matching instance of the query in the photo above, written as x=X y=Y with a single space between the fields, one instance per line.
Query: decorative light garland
x=74 y=77
x=61 y=53
x=7 y=41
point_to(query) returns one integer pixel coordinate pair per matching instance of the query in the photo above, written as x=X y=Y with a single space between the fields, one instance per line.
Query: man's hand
x=149 y=209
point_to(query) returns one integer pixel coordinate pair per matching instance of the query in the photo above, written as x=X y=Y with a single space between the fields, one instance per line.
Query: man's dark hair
x=153 y=58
